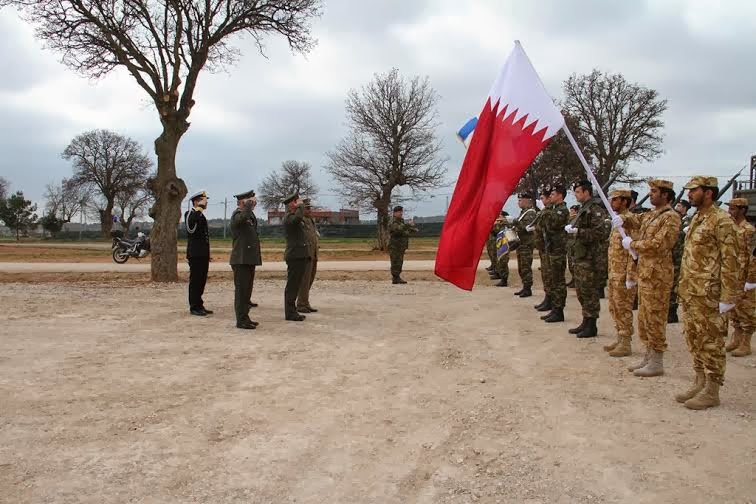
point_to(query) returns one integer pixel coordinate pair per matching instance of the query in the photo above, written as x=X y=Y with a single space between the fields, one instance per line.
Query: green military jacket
x=399 y=232
x=313 y=237
x=554 y=235
x=245 y=248
x=591 y=225
x=296 y=238
x=526 y=218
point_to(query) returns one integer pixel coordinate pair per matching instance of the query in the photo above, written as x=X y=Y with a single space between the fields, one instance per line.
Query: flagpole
x=595 y=183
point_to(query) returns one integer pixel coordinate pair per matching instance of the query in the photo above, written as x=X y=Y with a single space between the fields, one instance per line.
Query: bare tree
x=392 y=143
x=133 y=202
x=621 y=122
x=4 y=187
x=107 y=164
x=164 y=45
x=66 y=199
x=294 y=176
x=557 y=163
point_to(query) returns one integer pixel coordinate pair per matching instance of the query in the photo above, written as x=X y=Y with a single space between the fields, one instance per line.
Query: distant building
x=322 y=216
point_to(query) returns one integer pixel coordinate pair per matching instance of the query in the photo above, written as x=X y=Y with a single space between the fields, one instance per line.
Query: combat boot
x=622 y=349
x=609 y=348
x=744 y=348
x=590 y=330
x=556 y=315
x=494 y=276
x=734 y=342
x=526 y=292
x=579 y=328
x=571 y=284
x=672 y=315
x=698 y=384
x=641 y=363
x=546 y=306
x=706 y=399
x=502 y=283
x=601 y=293
x=654 y=366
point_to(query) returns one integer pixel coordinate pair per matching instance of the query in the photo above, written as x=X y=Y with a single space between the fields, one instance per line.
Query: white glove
x=626 y=241
x=685 y=229
x=630 y=284
x=724 y=307
x=529 y=228
x=749 y=286
x=570 y=229
x=617 y=221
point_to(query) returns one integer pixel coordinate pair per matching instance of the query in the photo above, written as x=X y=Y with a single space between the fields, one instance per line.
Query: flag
x=465 y=133
x=516 y=123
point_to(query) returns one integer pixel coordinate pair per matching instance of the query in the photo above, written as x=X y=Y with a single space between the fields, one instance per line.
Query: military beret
x=582 y=183
x=200 y=194
x=620 y=193
x=504 y=213
x=634 y=194
x=684 y=203
x=398 y=208
x=525 y=195
x=245 y=195
x=738 y=202
x=290 y=198
x=559 y=188
x=661 y=184
x=699 y=181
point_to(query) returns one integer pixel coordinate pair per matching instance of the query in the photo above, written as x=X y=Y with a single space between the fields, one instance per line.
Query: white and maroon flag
x=516 y=123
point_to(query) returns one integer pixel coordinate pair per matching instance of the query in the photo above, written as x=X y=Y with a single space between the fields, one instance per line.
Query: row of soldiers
x=650 y=257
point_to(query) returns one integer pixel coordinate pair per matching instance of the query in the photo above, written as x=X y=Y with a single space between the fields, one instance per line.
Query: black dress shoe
x=253 y=305
x=198 y=311
x=207 y=311
x=296 y=317
x=303 y=310
x=250 y=321
x=246 y=325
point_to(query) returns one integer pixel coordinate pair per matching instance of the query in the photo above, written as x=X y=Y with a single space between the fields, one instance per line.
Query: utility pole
x=225 y=209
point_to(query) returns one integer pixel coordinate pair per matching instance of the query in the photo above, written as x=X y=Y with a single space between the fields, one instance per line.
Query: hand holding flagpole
x=595 y=183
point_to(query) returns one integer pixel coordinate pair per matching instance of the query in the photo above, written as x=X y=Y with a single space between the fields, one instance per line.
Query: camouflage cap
x=661 y=184
x=701 y=181
x=620 y=193
x=291 y=198
x=738 y=202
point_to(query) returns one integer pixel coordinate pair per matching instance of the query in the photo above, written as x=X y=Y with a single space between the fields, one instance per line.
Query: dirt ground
x=111 y=392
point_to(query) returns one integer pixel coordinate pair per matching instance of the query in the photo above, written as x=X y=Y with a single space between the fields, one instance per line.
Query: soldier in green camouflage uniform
x=602 y=263
x=528 y=214
x=682 y=208
x=491 y=251
x=502 y=263
x=571 y=246
x=540 y=243
x=588 y=231
x=555 y=238
x=399 y=232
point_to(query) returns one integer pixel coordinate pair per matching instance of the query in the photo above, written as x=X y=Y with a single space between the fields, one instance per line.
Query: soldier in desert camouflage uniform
x=603 y=256
x=709 y=288
x=682 y=208
x=588 y=231
x=658 y=233
x=743 y=316
x=623 y=278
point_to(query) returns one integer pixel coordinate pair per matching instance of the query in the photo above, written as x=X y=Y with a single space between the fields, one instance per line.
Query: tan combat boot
x=706 y=399
x=641 y=363
x=734 y=342
x=623 y=349
x=654 y=366
x=744 y=348
x=609 y=348
x=698 y=384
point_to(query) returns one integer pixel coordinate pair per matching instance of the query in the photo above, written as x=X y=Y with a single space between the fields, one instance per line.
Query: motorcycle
x=123 y=248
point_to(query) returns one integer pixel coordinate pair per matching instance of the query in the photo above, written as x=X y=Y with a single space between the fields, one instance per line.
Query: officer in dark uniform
x=197 y=252
x=245 y=256
x=296 y=255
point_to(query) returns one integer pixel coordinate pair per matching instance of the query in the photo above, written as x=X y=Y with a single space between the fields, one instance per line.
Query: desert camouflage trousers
x=525 y=264
x=743 y=316
x=620 y=303
x=705 y=331
x=653 y=308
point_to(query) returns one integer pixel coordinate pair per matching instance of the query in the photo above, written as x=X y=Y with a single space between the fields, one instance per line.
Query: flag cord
x=595 y=183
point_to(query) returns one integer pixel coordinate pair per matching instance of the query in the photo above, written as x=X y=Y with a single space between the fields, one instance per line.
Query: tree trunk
x=169 y=192
x=106 y=220
x=383 y=233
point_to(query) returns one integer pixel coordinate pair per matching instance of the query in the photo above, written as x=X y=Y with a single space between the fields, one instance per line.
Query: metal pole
x=225 y=209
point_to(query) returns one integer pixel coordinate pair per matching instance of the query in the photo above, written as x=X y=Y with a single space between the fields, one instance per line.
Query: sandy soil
x=390 y=394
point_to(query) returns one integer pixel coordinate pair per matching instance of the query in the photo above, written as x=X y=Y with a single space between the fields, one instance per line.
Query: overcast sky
x=698 y=54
